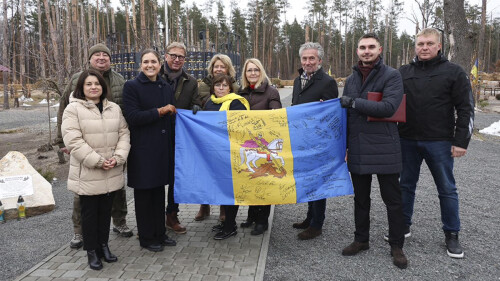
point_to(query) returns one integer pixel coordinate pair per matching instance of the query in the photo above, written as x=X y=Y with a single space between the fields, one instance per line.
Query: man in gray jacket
x=373 y=147
x=100 y=60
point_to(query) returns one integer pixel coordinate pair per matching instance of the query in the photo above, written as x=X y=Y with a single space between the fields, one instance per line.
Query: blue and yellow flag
x=473 y=71
x=261 y=157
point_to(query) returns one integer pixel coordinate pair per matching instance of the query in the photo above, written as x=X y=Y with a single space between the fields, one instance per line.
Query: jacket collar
x=440 y=58
x=144 y=79
x=88 y=104
x=259 y=90
x=164 y=71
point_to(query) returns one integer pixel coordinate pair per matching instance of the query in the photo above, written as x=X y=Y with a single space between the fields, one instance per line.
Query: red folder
x=399 y=115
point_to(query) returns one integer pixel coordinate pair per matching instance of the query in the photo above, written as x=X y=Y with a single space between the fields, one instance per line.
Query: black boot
x=94 y=261
x=107 y=255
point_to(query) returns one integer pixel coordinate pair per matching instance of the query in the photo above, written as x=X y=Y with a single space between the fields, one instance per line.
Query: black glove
x=346 y=102
x=196 y=108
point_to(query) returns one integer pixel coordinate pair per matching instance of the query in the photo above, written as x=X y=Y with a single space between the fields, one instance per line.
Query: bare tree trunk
x=22 y=48
x=5 y=57
x=67 y=42
x=459 y=36
x=127 y=24
x=53 y=37
x=90 y=20
x=77 y=54
x=134 y=24
x=97 y=22
x=14 y=54
x=83 y=31
x=256 y=39
x=482 y=32
x=143 y=24
x=386 y=34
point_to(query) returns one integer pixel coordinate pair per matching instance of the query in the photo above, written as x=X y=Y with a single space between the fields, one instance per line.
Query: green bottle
x=21 y=208
x=2 y=215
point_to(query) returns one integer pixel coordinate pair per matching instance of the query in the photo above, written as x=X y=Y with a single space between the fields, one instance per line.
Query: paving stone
x=169 y=276
x=42 y=272
x=216 y=263
x=228 y=271
x=226 y=257
x=69 y=266
x=247 y=271
x=183 y=277
x=91 y=273
x=58 y=273
x=210 y=278
x=127 y=275
x=224 y=278
x=172 y=268
x=196 y=277
x=186 y=262
x=98 y=279
x=46 y=265
x=110 y=273
x=127 y=260
x=242 y=278
x=61 y=259
x=145 y=275
x=228 y=264
x=136 y=267
x=158 y=276
x=74 y=274
x=30 y=278
x=63 y=279
x=44 y=279
x=145 y=260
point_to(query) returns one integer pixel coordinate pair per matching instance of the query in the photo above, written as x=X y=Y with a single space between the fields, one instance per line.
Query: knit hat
x=99 y=48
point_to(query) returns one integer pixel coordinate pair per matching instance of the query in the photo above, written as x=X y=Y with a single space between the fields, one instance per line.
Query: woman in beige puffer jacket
x=97 y=136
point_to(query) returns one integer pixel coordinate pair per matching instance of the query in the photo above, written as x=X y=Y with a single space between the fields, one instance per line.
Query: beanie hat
x=99 y=48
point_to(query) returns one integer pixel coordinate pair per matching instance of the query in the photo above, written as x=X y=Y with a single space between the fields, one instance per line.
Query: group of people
x=105 y=122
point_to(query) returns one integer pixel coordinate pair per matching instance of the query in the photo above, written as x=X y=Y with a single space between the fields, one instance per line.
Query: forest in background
x=49 y=39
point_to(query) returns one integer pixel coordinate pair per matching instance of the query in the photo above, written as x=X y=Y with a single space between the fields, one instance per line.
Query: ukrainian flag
x=473 y=71
x=261 y=157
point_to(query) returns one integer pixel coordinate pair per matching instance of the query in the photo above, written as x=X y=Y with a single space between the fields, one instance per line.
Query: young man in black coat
x=313 y=84
x=373 y=147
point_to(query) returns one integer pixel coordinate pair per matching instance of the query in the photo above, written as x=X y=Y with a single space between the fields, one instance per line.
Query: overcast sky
x=298 y=9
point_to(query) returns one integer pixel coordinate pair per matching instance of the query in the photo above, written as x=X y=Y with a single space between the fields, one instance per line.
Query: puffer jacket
x=115 y=83
x=92 y=137
x=206 y=84
x=373 y=147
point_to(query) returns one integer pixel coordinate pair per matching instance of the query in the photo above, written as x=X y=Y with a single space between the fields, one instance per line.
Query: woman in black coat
x=150 y=114
x=223 y=99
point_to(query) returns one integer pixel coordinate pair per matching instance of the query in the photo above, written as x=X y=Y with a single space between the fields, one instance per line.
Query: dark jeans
x=391 y=195
x=437 y=155
x=259 y=213
x=95 y=219
x=150 y=216
x=118 y=210
x=316 y=213
x=172 y=207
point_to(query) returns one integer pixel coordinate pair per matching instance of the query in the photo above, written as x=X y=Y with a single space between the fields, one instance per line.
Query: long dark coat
x=151 y=158
x=374 y=147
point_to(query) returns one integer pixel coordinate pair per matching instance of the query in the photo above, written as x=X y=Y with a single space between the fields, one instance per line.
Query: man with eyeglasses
x=186 y=97
x=313 y=84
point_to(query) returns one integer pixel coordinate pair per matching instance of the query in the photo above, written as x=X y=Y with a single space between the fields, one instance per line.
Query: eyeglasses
x=253 y=70
x=219 y=85
x=174 y=57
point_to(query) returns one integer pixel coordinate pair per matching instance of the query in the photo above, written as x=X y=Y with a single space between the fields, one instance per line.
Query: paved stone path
x=197 y=255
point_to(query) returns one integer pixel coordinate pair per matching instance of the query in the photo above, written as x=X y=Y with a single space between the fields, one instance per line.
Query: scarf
x=365 y=70
x=227 y=99
x=172 y=76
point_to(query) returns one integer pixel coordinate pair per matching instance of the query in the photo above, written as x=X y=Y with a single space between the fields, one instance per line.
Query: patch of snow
x=53 y=119
x=493 y=129
x=44 y=101
x=55 y=105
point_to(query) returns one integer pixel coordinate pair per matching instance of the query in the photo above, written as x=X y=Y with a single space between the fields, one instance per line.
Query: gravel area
x=321 y=259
